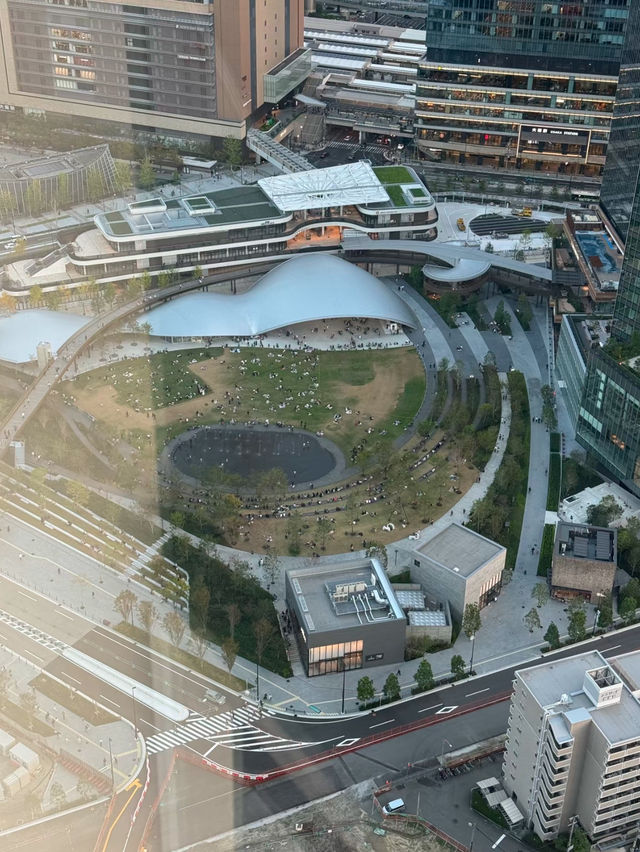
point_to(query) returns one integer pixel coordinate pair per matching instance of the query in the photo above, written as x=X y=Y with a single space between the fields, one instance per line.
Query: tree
x=577 y=628
x=532 y=619
x=502 y=318
x=7 y=205
x=58 y=796
x=147 y=615
x=629 y=548
x=200 y=599
x=146 y=175
x=233 y=615
x=21 y=246
x=263 y=632
x=34 y=199
x=605 y=617
x=489 y=248
x=95 y=185
x=109 y=293
x=365 y=690
x=552 y=636
x=232 y=152
x=63 y=191
x=174 y=624
x=549 y=407
x=124 y=603
x=122 y=177
x=7 y=303
x=525 y=314
x=471 y=621
x=323 y=527
x=200 y=642
x=229 y=652
x=628 y=609
x=424 y=676
x=272 y=568
x=391 y=688
x=425 y=427
x=52 y=299
x=458 y=667
x=603 y=513
x=541 y=593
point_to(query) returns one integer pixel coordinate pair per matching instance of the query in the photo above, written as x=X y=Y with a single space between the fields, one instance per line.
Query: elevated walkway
x=278 y=155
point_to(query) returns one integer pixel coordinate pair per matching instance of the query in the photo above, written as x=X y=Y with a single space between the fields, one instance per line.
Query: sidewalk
x=74 y=737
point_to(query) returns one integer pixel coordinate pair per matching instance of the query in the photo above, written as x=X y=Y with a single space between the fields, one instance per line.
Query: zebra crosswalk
x=233 y=729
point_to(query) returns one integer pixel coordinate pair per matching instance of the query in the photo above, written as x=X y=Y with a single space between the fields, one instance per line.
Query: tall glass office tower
x=609 y=418
x=623 y=151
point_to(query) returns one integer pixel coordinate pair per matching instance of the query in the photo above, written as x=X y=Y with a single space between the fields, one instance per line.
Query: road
x=330 y=753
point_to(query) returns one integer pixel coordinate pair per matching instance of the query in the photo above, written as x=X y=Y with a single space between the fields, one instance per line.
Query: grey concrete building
x=460 y=566
x=345 y=616
x=584 y=562
x=573 y=747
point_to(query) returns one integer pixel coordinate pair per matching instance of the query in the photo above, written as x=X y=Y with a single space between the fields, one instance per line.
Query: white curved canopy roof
x=304 y=289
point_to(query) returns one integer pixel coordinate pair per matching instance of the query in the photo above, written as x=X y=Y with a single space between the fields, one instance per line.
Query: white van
x=394 y=806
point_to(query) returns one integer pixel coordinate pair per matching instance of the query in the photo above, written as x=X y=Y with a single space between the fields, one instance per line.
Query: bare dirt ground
x=341 y=823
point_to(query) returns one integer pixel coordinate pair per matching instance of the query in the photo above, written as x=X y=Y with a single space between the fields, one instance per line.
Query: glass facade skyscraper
x=524 y=84
x=623 y=151
x=536 y=34
x=609 y=418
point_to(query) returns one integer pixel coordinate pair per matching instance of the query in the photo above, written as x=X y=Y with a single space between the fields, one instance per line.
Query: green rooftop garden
x=396 y=195
x=393 y=174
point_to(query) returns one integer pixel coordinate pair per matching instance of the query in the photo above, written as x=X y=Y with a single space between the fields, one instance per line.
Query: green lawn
x=546 y=550
x=396 y=195
x=151 y=382
x=553 y=491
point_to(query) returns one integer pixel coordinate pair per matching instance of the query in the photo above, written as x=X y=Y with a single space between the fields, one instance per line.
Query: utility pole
x=472 y=826
x=572 y=822
x=133 y=704
x=473 y=644
x=344 y=677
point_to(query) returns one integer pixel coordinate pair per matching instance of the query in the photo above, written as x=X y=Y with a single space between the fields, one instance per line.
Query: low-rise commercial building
x=280 y=215
x=460 y=566
x=572 y=747
x=345 y=616
x=584 y=563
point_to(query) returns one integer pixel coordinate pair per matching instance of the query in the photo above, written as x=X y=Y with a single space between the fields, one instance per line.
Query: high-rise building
x=573 y=746
x=623 y=151
x=169 y=66
x=609 y=417
x=523 y=84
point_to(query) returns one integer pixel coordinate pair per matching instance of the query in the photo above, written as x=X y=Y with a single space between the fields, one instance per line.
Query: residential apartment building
x=167 y=66
x=573 y=746
x=522 y=84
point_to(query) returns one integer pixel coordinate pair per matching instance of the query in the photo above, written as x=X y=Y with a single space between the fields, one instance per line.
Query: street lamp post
x=133 y=704
x=472 y=826
x=344 y=677
x=444 y=741
x=113 y=780
x=473 y=644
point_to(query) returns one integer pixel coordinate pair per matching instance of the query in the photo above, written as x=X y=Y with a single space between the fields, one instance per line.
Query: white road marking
x=104 y=698
x=31 y=654
x=63 y=614
x=208 y=751
x=381 y=723
x=424 y=709
x=612 y=648
x=25 y=595
x=470 y=694
x=155 y=727
x=447 y=709
x=70 y=677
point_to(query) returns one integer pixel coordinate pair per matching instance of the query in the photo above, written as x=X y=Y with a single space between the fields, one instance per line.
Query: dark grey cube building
x=345 y=616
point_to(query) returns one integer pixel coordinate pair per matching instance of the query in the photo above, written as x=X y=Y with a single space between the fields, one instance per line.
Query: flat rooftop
x=206 y=210
x=581 y=541
x=347 y=595
x=52 y=164
x=460 y=549
x=336 y=186
x=574 y=508
x=548 y=682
